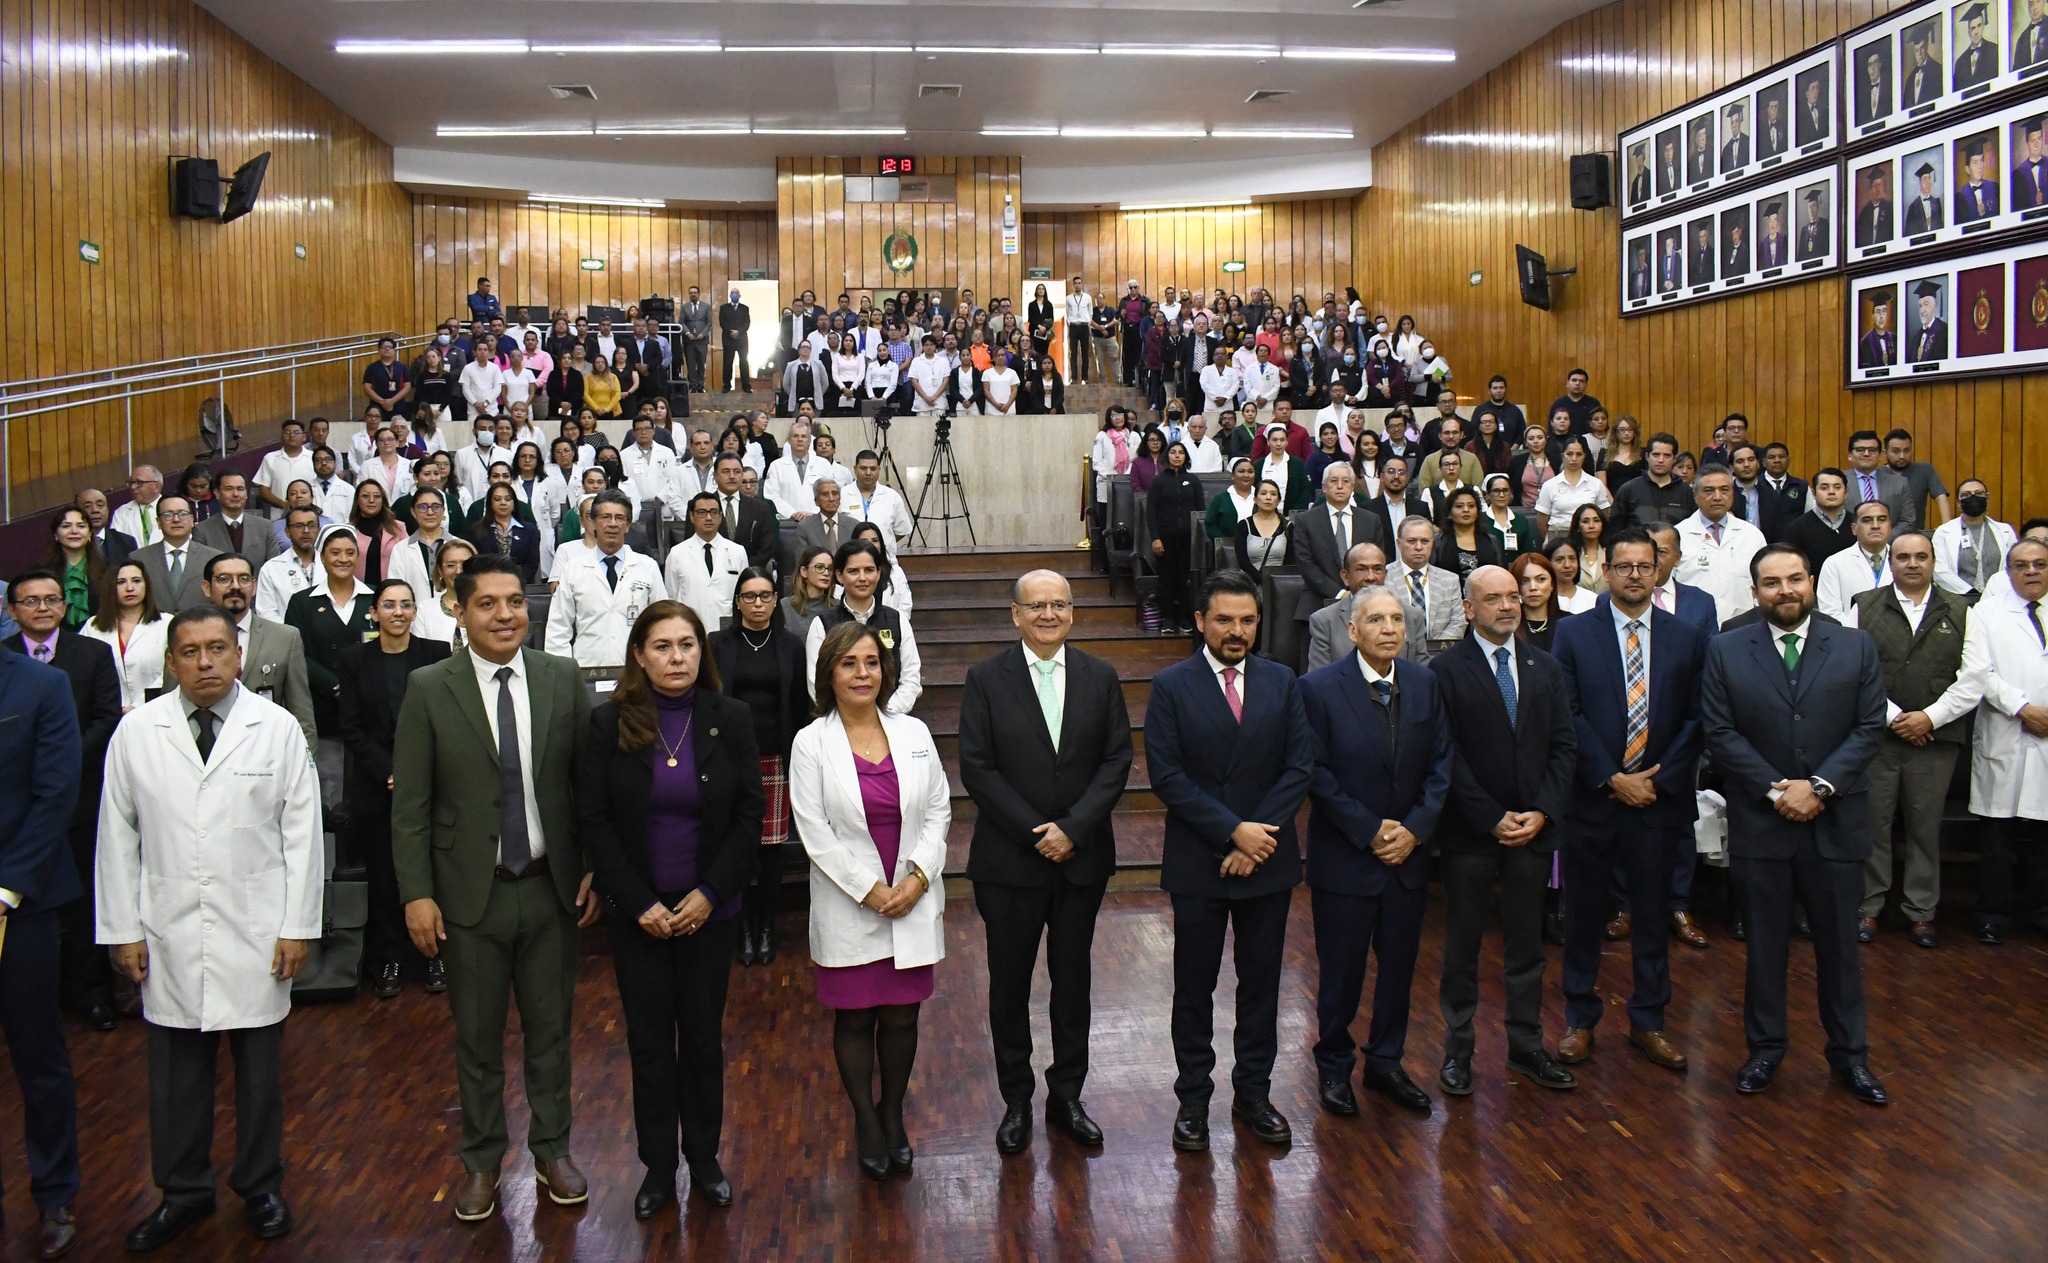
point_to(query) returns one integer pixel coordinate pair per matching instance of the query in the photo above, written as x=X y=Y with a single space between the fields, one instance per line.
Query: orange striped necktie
x=1638 y=701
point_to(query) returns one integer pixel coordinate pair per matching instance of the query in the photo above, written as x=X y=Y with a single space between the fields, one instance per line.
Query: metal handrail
x=124 y=385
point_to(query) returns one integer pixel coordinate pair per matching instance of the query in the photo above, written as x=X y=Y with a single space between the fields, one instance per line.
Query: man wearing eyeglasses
x=137 y=518
x=174 y=561
x=1045 y=751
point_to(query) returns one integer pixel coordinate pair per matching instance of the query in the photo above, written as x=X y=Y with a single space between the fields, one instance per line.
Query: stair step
x=1085 y=586
x=1009 y=562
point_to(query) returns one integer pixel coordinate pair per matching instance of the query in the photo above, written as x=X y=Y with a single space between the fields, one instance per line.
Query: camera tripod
x=944 y=471
x=879 y=440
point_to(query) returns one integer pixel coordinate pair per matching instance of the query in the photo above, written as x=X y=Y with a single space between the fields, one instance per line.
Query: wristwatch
x=1821 y=789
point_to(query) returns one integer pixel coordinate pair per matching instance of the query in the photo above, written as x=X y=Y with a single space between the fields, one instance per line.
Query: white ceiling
x=410 y=99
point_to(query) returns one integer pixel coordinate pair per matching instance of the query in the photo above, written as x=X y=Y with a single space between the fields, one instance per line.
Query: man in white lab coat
x=791 y=478
x=209 y=890
x=2005 y=651
x=600 y=591
x=703 y=571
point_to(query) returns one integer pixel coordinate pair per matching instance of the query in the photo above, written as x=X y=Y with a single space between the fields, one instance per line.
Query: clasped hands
x=1797 y=801
x=1253 y=844
x=1519 y=828
x=687 y=917
x=1634 y=789
x=894 y=901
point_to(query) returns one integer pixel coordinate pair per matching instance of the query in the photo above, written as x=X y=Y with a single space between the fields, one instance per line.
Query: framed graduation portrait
x=1735 y=242
x=1876 y=221
x=1977 y=315
x=1877 y=330
x=1977 y=167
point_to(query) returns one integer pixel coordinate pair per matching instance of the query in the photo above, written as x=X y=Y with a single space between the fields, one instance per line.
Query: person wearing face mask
x=1969 y=551
x=1383 y=381
x=473 y=463
x=1429 y=376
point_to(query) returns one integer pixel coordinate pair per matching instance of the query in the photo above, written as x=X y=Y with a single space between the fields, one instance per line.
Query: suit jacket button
x=714 y=732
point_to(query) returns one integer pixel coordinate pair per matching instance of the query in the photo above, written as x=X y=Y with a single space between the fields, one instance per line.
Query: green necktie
x=1791 y=652
x=177 y=571
x=1048 y=699
x=148 y=526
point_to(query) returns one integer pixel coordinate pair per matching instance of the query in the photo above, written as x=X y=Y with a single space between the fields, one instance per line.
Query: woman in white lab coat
x=128 y=620
x=869 y=797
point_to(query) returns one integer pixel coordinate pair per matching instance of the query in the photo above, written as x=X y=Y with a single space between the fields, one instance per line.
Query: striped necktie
x=1638 y=700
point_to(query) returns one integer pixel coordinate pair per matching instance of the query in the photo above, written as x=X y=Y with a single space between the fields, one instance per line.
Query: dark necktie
x=611 y=573
x=235 y=535
x=515 y=848
x=709 y=565
x=732 y=517
x=207 y=719
x=2034 y=617
x=1506 y=678
x=1383 y=692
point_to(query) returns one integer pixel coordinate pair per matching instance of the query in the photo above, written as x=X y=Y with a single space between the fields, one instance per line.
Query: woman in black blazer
x=501 y=532
x=330 y=617
x=1038 y=316
x=1043 y=393
x=1174 y=494
x=373 y=677
x=761 y=664
x=670 y=801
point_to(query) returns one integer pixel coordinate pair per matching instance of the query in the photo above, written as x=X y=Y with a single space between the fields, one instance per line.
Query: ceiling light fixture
x=819 y=48
x=1186 y=50
x=429 y=47
x=1370 y=54
x=512 y=131
x=708 y=129
x=629 y=48
x=830 y=131
x=1133 y=133
x=587 y=199
x=1281 y=133
x=1020 y=51
x=1217 y=203
x=1020 y=131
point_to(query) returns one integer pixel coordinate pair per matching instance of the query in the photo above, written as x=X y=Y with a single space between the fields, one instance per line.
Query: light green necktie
x=1791 y=652
x=148 y=523
x=177 y=571
x=1048 y=699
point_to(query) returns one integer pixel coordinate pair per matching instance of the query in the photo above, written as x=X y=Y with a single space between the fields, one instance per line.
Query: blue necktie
x=1384 y=691
x=1506 y=678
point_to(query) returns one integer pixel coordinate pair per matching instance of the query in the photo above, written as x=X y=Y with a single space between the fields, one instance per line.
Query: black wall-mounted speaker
x=195 y=188
x=1592 y=181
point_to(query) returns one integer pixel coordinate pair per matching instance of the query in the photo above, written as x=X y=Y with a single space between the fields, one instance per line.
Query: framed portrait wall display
x=1939 y=58
x=1965 y=316
x=1782 y=117
x=1977 y=177
x=1770 y=234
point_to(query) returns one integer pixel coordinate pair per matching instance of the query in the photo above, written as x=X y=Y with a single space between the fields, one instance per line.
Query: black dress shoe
x=1862 y=1085
x=386 y=985
x=1738 y=930
x=748 y=954
x=1543 y=1070
x=437 y=976
x=1755 y=1075
x=1989 y=935
x=164 y=1224
x=1191 y=1131
x=707 y=1180
x=57 y=1233
x=1337 y=1098
x=1866 y=930
x=1456 y=1076
x=1801 y=925
x=657 y=1190
x=901 y=1159
x=101 y=1016
x=1263 y=1121
x=1922 y=934
x=1072 y=1118
x=875 y=1166
x=1013 y=1134
x=1397 y=1087
x=764 y=950
x=269 y=1217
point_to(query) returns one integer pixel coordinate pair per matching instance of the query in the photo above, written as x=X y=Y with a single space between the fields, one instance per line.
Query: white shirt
x=128 y=520
x=709 y=592
x=999 y=390
x=1059 y=673
x=1492 y=651
x=1217 y=668
x=1204 y=457
x=909 y=666
x=1721 y=570
x=884 y=506
x=279 y=471
x=881 y=378
x=282 y=578
x=522 y=715
x=1081 y=310
x=482 y=384
x=1220 y=386
x=1847 y=575
x=1559 y=499
x=928 y=374
x=1274 y=469
x=472 y=470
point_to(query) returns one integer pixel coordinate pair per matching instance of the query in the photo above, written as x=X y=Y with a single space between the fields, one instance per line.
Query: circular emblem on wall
x=899 y=251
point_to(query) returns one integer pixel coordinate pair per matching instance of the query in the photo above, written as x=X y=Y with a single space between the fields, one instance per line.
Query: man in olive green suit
x=483 y=832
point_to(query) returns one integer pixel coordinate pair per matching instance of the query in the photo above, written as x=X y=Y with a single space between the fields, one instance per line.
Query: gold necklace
x=681 y=741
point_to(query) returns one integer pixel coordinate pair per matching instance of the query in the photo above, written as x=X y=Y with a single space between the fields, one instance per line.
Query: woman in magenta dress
x=871 y=804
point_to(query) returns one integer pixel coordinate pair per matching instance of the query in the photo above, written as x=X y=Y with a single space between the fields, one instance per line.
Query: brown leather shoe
x=564 y=1183
x=1619 y=928
x=1687 y=931
x=58 y=1233
x=1575 y=1047
x=1657 y=1046
x=476 y=1198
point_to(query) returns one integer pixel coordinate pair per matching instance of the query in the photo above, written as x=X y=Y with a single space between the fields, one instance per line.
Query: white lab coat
x=2008 y=766
x=708 y=593
x=142 y=663
x=1846 y=576
x=793 y=494
x=210 y=864
x=825 y=799
x=1720 y=570
x=884 y=506
x=281 y=579
x=591 y=621
x=1948 y=545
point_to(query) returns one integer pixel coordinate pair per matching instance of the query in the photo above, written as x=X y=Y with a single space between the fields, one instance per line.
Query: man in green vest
x=1918 y=627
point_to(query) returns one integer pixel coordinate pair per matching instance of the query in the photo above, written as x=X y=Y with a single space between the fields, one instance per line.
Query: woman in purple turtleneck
x=669 y=783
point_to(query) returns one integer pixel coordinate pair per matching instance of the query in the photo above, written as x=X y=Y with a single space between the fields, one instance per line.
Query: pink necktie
x=1657 y=597
x=1231 y=695
x=1715 y=531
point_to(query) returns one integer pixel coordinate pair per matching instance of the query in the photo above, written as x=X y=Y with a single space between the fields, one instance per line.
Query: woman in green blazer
x=1290 y=473
x=1233 y=504
x=1509 y=527
x=330 y=617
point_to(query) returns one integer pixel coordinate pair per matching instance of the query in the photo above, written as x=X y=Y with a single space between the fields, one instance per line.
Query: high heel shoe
x=901 y=1155
x=874 y=1163
x=764 y=951
x=748 y=956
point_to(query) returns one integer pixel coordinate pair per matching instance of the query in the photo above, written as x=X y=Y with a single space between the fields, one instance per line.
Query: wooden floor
x=1638 y=1164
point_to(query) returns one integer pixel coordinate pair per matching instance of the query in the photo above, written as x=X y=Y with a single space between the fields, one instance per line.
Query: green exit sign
x=591 y=265
x=89 y=251
x=1234 y=265
x=1037 y=274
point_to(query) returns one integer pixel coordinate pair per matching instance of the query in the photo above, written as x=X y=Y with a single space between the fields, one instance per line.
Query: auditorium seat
x=1280 y=590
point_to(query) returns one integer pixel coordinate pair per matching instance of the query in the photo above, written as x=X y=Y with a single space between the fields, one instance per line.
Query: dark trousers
x=1685 y=859
x=673 y=994
x=1155 y=390
x=736 y=364
x=2002 y=892
x=1176 y=606
x=35 y=1043
x=182 y=1071
x=1389 y=925
x=88 y=972
x=1830 y=891
x=1014 y=919
x=1077 y=355
x=1591 y=854
x=694 y=355
x=1260 y=924
x=370 y=821
x=525 y=945
x=1468 y=880
x=1134 y=350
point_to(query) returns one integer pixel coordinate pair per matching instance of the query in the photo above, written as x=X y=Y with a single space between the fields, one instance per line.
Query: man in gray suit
x=828 y=528
x=1794 y=710
x=1320 y=549
x=174 y=562
x=1434 y=596
x=273 y=655
x=1871 y=479
x=695 y=317
x=1329 y=638
x=238 y=527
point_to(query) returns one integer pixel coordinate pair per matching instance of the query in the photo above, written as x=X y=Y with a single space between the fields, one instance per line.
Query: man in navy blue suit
x=1794 y=711
x=41 y=748
x=1633 y=673
x=1230 y=753
x=1382 y=769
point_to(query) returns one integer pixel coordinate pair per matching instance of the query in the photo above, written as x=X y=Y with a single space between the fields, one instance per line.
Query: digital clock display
x=899 y=166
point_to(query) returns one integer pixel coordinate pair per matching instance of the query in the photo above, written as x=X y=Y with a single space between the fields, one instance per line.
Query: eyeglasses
x=40 y=602
x=174 y=515
x=1042 y=607
x=1633 y=567
x=757 y=597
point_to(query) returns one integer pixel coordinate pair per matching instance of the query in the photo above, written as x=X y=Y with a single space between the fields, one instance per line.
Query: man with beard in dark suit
x=1874 y=221
x=1923 y=79
x=1978 y=62
x=1816 y=233
x=1924 y=212
x=1735 y=150
x=1770 y=251
x=1932 y=344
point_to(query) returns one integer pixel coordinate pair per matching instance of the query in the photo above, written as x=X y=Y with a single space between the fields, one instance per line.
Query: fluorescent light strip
x=1370 y=54
x=1216 y=204
x=830 y=131
x=1020 y=131
x=1187 y=50
x=819 y=48
x=1012 y=52
x=428 y=47
x=1280 y=133
x=709 y=130
x=1133 y=133
x=590 y=200
x=628 y=48
x=512 y=131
